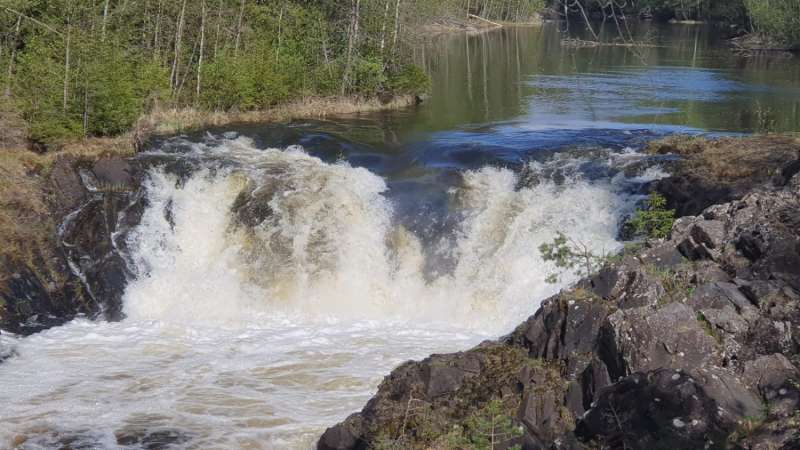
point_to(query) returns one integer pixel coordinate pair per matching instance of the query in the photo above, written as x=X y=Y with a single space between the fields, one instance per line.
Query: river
x=283 y=270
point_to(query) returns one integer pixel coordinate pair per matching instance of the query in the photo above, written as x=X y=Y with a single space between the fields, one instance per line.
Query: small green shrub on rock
x=487 y=429
x=568 y=254
x=655 y=221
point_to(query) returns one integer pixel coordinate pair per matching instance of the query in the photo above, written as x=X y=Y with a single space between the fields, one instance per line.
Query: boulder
x=64 y=186
x=113 y=171
x=441 y=379
x=666 y=408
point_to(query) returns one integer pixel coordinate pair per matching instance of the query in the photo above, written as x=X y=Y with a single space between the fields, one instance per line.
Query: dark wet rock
x=664 y=408
x=339 y=437
x=91 y=240
x=775 y=379
x=645 y=339
x=691 y=342
x=629 y=283
x=81 y=271
x=594 y=379
x=28 y=306
x=567 y=441
x=581 y=329
x=704 y=273
x=152 y=439
x=689 y=195
x=65 y=186
x=113 y=171
x=441 y=379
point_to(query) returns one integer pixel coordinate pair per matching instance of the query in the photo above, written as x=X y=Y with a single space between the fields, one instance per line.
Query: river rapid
x=282 y=271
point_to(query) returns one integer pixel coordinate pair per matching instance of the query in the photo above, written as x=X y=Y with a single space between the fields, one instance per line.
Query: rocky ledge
x=687 y=343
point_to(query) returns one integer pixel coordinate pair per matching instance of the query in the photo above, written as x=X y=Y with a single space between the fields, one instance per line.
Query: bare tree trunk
x=41 y=24
x=325 y=50
x=11 y=61
x=86 y=110
x=351 y=41
x=586 y=19
x=105 y=18
x=219 y=24
x=155 y=34
x=173 y=79
x=358 y=14
x=239 y=30
x=186 y=72
x=66 y=64
x=280 y=24
x=396 y=25
x=202 y=43
x=383 y=28
x=145 y=41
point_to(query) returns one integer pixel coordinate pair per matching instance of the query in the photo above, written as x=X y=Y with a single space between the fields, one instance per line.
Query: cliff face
x=689 y=343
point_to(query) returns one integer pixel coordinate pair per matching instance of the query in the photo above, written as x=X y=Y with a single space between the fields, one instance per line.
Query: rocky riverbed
x=687 y=343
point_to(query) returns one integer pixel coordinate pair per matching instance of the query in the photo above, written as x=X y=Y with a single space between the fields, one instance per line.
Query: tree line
x=78 y=68
x=75 y=68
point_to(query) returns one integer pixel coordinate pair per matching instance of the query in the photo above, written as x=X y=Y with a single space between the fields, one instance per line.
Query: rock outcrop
x=689 y=343
x=80 y=271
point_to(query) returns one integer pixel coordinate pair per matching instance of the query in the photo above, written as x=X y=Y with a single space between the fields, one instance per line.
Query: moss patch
x=729 y=159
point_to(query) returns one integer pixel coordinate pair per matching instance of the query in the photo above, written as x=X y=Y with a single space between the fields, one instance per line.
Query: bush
x=568 y=254
x=113 y=102
x=779 y=18
x=409 y=79
x=227 y=85
x=654 y=221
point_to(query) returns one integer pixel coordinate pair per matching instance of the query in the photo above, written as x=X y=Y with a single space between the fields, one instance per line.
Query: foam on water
x=274 y=291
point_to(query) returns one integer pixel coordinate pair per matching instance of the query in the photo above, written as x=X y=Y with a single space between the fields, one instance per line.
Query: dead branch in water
x=570 y=42
x=473 y=16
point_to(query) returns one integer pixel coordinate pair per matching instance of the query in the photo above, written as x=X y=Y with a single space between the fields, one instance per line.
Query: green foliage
x=487 y=429
x=568 y=254
x=778 y=18
x=112 y=96
x=74 y=71
x=407 y=80
x=655 y=221
x=766 y=120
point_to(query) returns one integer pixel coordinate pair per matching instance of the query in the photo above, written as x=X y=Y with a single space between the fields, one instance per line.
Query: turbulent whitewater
x=273 y=291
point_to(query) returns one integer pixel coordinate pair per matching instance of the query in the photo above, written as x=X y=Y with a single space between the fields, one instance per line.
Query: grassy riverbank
x=726 y=160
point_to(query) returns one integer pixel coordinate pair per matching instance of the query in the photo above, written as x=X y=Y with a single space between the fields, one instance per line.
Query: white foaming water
x=273 y=295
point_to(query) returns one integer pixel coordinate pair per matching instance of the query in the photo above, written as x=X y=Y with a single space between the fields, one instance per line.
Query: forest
x=80 y=68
